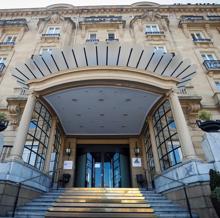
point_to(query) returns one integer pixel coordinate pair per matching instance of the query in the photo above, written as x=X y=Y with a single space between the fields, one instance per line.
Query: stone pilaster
x=22 y=131
x=182 y=128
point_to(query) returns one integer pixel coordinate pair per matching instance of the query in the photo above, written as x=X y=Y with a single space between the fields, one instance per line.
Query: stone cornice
x=75 y=10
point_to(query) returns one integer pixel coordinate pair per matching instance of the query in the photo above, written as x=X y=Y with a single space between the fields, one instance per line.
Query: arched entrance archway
x=128 y=69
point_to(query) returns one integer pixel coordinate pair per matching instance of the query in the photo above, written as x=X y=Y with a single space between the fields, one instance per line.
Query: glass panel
x=167 y=141
x=37 y=137
x=98 y=169
x=108 y=170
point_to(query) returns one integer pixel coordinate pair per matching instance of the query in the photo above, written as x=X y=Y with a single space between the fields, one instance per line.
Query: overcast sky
x=43 y=3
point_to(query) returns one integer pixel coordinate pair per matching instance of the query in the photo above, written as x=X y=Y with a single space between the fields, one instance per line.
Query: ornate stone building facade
x=88 y=88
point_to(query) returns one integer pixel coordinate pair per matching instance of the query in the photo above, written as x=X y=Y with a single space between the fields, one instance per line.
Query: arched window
x=38 y=137
x=168 y=145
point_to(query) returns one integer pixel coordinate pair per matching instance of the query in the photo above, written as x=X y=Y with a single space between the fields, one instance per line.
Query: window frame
x=37 y=140
x=94 y=34
x=48 y=50
x=151 y=29
x=206 y=54
x=165 y=135
x=158 y=47
x=54 y=32
x=12 y=40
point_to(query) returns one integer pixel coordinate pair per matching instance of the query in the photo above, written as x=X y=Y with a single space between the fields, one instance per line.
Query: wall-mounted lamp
x=68 y=151
x=137 y=150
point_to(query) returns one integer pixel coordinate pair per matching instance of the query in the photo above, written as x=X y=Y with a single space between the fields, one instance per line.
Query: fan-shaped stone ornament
x=111 y=54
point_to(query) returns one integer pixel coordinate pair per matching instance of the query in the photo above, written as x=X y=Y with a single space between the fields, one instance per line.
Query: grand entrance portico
x=107 y=92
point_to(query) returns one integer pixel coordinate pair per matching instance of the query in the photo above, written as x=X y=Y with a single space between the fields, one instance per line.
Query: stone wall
x=199 y=198
x=8 y=192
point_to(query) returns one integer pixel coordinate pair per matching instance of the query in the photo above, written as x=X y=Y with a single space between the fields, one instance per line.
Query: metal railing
x=185 y=193
x=154 y=33
x=96 y=19
x=56 y=174
x=212 y=64
x=112 y=40
x=213 y=17
x=192 y=18
x=202 y=40
x=92 y=40
x=13 y=22
x=7 y=43
x=51 y=35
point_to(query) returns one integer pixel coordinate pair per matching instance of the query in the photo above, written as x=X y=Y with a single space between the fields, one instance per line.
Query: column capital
x=22 y=131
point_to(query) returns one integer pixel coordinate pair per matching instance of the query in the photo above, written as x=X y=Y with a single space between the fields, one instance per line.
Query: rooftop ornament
x=3 y=122
x=206 y=124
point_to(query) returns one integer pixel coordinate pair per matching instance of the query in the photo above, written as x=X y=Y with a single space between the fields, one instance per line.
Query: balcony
x=212 y=65
x=2 y=67
x=50 y=37
x=191 y=21
x=199 y=21
x=7 y=45
x=213 y=18
x=14 y=22
x=155 y=35
x=202 y=41
x=102 y=21
x=92 y=40
x=112 y=40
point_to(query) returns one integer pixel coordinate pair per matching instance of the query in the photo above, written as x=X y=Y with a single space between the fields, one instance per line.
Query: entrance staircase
x=101 y=202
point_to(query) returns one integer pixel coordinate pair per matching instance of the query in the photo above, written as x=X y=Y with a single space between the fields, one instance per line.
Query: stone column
x=50 y=144
x=182 y=128
x=21 y=135
x=154 y=147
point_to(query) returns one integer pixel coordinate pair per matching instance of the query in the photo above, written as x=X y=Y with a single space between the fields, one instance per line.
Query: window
x=92 y=36
x=55 y=153
x=53 y=30
x=160 y=47
x=167 y=140
x=35 y=147
x=46 y=50
x=217 y=83
x=197 y=36
x=208 y=56
x=111 y=36
x=149 y=154
x=3 y=60
x=2 y=63
x=152 y=28
x=10 y=38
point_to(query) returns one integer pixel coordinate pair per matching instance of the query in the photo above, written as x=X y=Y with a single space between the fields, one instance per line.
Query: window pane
x=167 y=141
x=38 y=137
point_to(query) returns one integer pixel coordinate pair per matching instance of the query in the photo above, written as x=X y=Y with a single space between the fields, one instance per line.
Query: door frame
x=108 y=147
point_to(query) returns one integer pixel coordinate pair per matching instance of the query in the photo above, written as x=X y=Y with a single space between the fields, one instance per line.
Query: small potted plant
x=3 y=122
x=206 y=123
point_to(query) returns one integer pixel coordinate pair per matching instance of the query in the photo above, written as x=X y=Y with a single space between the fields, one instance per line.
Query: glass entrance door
x=101 y=166
x=102 y=169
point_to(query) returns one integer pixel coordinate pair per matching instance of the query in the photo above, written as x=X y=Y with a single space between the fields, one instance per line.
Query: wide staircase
x=101 y=202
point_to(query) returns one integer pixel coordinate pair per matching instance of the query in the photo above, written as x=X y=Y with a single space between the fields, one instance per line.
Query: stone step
x=100 y=215
x=32 y=203
x=102 y=197
x=99 y=210
x=176 y=215
x=29 y=214
x=105 y=205
x=119 y=201
x=96 y=193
